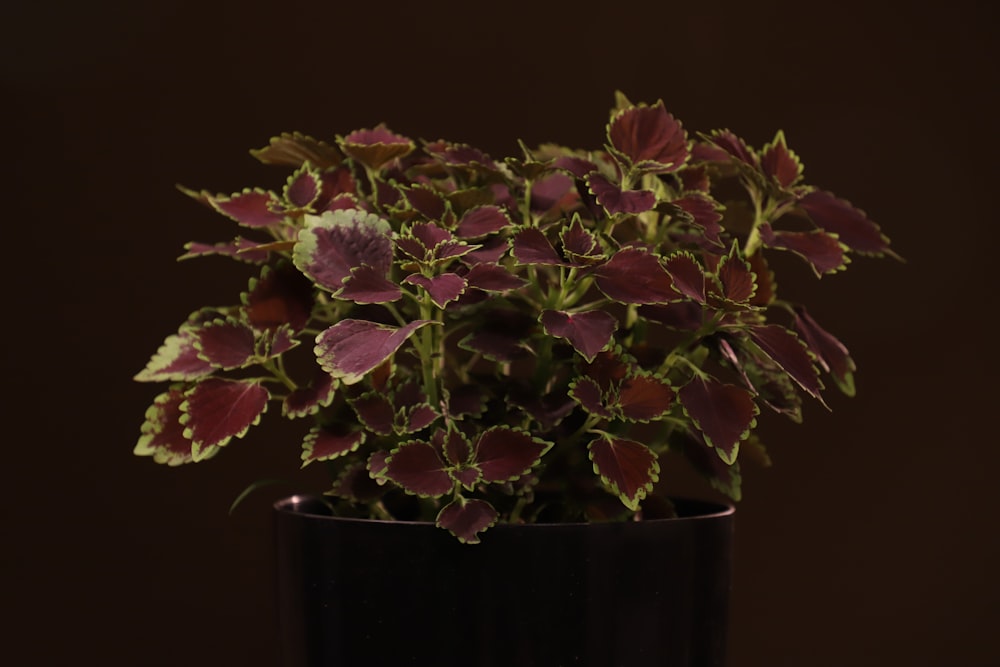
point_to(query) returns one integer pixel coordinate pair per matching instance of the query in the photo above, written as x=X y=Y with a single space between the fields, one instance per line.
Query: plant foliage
x=479 y=340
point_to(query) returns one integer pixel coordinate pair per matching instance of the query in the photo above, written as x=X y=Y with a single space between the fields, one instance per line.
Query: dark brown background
x=872 y=541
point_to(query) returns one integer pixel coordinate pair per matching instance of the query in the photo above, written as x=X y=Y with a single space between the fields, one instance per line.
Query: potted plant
x=494 y=347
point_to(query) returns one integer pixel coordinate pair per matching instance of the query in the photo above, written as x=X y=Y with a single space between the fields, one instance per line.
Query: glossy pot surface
x=358 y=593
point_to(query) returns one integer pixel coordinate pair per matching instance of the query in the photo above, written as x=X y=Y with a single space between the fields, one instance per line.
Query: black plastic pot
x=356 y=593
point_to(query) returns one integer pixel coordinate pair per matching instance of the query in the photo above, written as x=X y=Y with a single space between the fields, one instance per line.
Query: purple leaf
x=457 y=448
x=683 y=315
x=635 y=276
x=325 y=444
x=217 y=410
x=791 y=354
x=823 y=252
x=588 y=394
x=588 y=332
x=162 y=435
x=724 y=413
x=615 y=200
x=376 y=146
x=651 y=139
x=250 y=208
x=504 y=454
x=554 y=192
x=489 y=252
x=580 y=245
x=503 y=335
x=831 y=353
x=351 y=348
x=280 y=296
x=375 y=411
x=356 y=485
x=442 y=288
x=482 y=220
x=333 y=244
x=734 y=146
x=176 y=360
x=531 y=247
x=416 y=466
x=303 y=187
x=723 y=477
x=465 y=519
x=239 y=248
x=628 y=468
x=292 y=149
x=468 y=399
x=459 y=155
x=367 y=284
x=493 y=278
x=737 y=280
x=780 y=163
x=644 y=398
x=577 y=166
x=225 y=344
x=686 y=275
x=429 y=203
x=851 y=225
x=308 y=400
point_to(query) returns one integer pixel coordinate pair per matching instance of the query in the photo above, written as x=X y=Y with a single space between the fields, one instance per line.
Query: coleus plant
x=478 y=340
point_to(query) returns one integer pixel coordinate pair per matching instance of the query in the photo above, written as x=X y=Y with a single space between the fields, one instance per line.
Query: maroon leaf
x=723 y=477
x=644 y=398
x=531 y=247
x=442 y=288
x=367 y=284
x=334 y=243
x=628 y=468
x=683 y=315
x=356 y=485
x=429 y=203
x=225 y=344
x=303 y=187
x=851 y=225
x=416 y=466
x=651 y=139
x=831 y=353
x=588 y=394
x=250 y=208
x=217 y=410
x=780 y=163
x=292 y=149
x=823 y=252
x=489 y=252
x=687 y=276
x=468 y=399
x=633 y=275
x=482 y=220
x=588 y=332
x=724 y=413
x=493 y=278
x=308 y=400
x=737 y=280
x=162 y=435
x=376 y=146
x=351 y=348
x=459 y=155
x=791 y=354
x=734 y=146
x=457 y=448
x=503 y=335
x=465 y=519
x=615 y=200
x=324 y=444
x=239 y=248
x=375 y=411
x=280 y=296
x=176 y=360
x=580 y=245
x=504 y=454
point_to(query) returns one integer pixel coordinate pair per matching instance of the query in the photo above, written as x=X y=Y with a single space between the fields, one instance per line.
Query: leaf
x=650 y=138
x=162 y=434
x=465 y=519
x=580 y=245
x=325 y=444
x=239 y=248
x=850 y=224
x=736 y=279
x=443 y=288
x=459 y=155
x=781 y=164
x=349 y=349
x=334 y=243
x=831 y=353
x=531 y=247
x=250 y=208
x=375 y=411
x=292 y=149
x=377 y=146
x=724 y=413
x=303 y=187
x=493 y=278
x=503 y=335
x=176 y=360
x=615 y=200
x=723 y=477
x=356 y=485
x=628 y=468
x=367 y=284
x=417 y=468
x=635 y=276
x=588 y=394
x=225 y=344
x=505 y=454
x=282 y=295
x=482 y=220
x=686 y=275
x=734 y=146
x=683 y=315
x=217 y=410
x=308 y=400
x=644 y=398
x=791 y=354
x=823 y=251
x=588 y=332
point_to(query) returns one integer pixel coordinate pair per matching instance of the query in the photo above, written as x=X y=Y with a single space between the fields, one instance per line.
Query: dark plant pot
x=356 y=593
